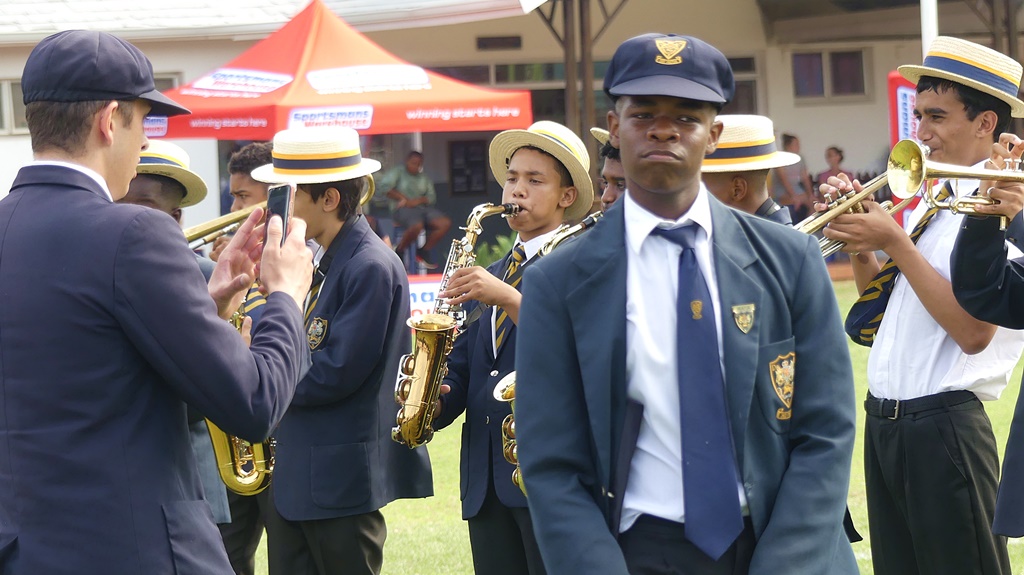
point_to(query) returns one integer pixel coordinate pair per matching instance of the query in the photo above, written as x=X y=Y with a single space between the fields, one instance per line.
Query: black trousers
x=242 y=536
x=351 y=545
x=656 y=546
x=931 y=481
x=502 y=539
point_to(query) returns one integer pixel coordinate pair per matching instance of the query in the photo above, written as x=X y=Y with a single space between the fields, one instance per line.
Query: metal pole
x=929 y=24
x=587 y=63
x=572 y=108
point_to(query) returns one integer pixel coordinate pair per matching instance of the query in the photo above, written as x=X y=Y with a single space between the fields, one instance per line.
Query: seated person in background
x=165 y=183
x=613 y=179
x=737 y=171
x=412 y=206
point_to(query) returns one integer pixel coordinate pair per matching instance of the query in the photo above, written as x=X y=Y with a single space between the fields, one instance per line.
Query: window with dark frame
x=829 y=74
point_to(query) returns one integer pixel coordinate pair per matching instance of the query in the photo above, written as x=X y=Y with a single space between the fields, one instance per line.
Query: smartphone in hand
x=279 y=202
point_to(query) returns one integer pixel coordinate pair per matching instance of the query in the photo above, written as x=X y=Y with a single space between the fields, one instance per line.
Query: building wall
x=859 y=125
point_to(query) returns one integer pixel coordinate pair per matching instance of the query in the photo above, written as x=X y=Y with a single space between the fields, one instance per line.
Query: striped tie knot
x=867 y=312
x=502 y=323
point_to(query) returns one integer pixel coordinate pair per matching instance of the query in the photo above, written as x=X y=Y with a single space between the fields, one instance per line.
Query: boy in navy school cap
x=722 y=460
x=127 y=347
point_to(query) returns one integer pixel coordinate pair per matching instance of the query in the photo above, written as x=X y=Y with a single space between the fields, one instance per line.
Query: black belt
x=897 y=408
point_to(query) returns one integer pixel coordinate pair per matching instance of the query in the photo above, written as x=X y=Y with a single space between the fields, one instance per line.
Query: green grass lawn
x=428 y=536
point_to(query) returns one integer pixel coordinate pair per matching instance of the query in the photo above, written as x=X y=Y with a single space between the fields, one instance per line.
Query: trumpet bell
x=906 y=169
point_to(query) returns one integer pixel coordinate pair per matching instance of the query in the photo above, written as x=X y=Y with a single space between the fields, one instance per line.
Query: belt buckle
x=895 y=412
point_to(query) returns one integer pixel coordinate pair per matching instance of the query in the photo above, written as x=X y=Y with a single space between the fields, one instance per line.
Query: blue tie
x=713 y=516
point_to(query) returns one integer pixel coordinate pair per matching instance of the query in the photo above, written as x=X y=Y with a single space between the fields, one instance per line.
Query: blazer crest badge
x=670 y=50
x=782 y=372
x=743 y=315
x=316 y=332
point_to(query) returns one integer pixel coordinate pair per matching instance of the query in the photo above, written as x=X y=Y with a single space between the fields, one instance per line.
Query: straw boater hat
x=974 y=66
x=558 y=141
x=317 y=156
x=169 y=160
x=600 y=134
x=747 y=143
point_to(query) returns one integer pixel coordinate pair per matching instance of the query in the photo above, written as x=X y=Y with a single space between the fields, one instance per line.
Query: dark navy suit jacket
x=991 y=288
x=335 y=456
x=473 y=372
x=571 y=408
x=106 y=331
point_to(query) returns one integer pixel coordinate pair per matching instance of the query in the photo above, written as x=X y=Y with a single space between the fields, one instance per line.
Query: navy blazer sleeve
x=174 y=325
x=805 y=531
x=561 y=486
x=356 y=336
x=986 y=284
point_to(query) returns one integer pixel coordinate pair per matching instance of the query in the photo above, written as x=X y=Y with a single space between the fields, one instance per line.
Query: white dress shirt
x=912 y=355
x=655 y=485
x=531 y=248
x=78 y=168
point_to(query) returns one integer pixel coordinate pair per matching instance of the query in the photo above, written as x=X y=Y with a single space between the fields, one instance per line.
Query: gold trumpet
x=846 y=203
x=910 y=169
x=204 y=233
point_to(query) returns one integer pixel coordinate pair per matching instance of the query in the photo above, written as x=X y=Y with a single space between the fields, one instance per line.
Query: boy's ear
x=568 y=197
x=331 y=199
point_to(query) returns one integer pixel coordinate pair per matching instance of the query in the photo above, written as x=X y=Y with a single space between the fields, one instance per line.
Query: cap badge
x=669 y=51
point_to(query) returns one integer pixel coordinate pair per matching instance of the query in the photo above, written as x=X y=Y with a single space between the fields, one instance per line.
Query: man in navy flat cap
x=686 y=398
x=101 y=353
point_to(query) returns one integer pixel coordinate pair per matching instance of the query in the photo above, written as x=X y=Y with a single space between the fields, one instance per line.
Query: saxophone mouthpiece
x=511 y=211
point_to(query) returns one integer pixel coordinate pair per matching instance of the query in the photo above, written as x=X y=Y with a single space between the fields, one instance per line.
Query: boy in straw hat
x=663 y=425
x=544 y=170
x=613 y=180
x=336 y=464
x=737 y=171
x=931 y=462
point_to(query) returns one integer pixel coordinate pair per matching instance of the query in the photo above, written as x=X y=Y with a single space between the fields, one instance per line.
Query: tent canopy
x=318 y=71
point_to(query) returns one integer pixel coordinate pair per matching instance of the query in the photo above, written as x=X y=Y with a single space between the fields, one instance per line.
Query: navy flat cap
x=82 y=65
x=670 y=65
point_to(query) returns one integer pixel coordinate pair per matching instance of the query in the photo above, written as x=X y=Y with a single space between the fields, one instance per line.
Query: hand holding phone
x=279 y=202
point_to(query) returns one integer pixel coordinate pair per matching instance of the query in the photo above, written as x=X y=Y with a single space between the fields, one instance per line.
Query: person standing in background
x=791 y=185
x=834 y=159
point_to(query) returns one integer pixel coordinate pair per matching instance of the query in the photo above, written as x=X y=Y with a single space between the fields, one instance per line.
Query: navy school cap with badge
x=83 y=65
x=670 y=65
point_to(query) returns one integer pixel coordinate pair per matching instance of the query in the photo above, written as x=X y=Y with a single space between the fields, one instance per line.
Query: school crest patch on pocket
x=316 y=332
x=782 y=370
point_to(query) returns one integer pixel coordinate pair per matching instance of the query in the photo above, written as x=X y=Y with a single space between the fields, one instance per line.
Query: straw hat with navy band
x=747 y=143
x=169 y=160
x=600 y=134
x=974 y=66
x=317 y=156
x=560 y=142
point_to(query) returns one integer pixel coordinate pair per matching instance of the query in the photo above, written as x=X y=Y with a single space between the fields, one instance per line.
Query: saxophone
x=420 y=373
x=244 y=467
x=505 y=391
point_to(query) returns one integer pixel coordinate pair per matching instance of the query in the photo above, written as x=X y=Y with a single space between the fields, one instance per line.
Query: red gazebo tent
x=318 y=71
